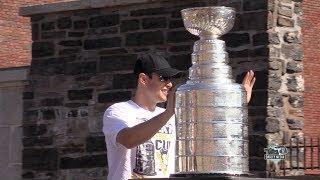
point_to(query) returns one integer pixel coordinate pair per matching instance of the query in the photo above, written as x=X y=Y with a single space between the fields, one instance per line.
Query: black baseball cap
x=154 y=63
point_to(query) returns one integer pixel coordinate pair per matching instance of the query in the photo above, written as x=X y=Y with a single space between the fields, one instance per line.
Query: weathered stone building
x=82 y=58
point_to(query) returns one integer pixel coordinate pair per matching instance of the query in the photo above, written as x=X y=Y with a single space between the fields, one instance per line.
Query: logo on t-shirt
x=152 y=157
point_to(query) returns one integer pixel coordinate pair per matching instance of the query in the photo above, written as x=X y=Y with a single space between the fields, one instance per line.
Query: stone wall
x=286 y=84
x=82 y=62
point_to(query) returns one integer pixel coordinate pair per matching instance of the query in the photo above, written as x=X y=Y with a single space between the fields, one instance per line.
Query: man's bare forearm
x=136 y=135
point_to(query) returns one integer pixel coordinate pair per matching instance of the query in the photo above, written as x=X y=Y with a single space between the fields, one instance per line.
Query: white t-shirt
x=154 y=158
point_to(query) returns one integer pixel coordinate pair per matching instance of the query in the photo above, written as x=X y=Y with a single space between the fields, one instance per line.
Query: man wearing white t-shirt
x=139 y=135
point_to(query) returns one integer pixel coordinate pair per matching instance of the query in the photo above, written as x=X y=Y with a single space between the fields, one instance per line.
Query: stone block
x=80 y=68
x=124 y=81
x=114 y=96
x=53 y=35
x=117 y=62
x=236 y=39
x=35 y=130
x=52 y=102
x=295 y=124
x=42 y=49
x=145 y=38
x=249 y=5
x=296 y=101
x=81 y=24
x=153 y=23
x=84 y=94
x=272 y=125
x=149 y=12
x=285 y=22
x=104 y=21
x=37 y=141
x=48 y=26
x=129 y=25
x=180 y=36
x=87 y=161
x=64 y=23
x=40 y=159
x=95 y=143
x=70 y=43
x=181 y=61
x=260 y=39
x=91 y=44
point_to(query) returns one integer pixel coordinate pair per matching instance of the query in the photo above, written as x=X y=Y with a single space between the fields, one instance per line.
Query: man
x=139 y=135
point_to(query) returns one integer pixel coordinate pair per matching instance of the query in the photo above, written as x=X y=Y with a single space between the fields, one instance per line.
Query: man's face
x=157 y=88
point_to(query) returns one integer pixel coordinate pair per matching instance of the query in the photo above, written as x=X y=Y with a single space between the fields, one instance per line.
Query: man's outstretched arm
x=136 y=135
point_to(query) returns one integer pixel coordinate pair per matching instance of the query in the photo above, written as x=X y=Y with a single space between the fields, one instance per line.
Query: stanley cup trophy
x=211 y=109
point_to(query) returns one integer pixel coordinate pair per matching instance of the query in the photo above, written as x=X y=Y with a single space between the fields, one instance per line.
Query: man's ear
x=143 y=79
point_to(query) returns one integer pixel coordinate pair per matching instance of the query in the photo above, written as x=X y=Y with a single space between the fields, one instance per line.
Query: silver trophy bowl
x=211 y=109
x=214 y=21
